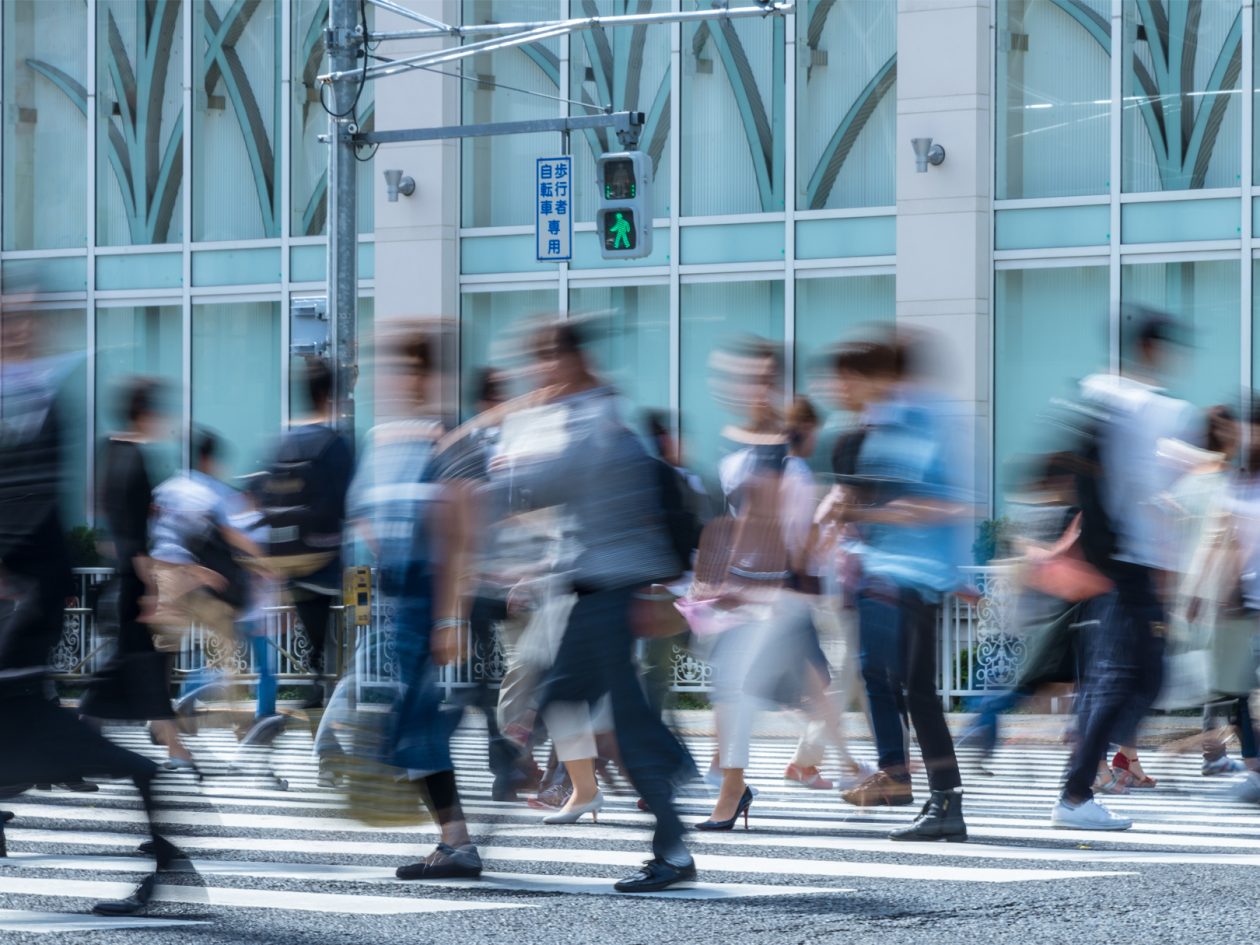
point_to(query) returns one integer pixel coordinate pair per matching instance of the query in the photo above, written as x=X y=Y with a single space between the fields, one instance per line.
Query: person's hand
x=444 y=643
x=1194 y=609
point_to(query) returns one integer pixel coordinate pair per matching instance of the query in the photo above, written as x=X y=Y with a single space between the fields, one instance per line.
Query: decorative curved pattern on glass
x=847 y=65
x=761 y=120
x=627 y=67
x=1000 y=649
x=1182 y=65
x=142 y=129
x=243 y=69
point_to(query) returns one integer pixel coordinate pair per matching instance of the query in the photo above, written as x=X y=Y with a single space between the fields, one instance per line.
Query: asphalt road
x=289 y=867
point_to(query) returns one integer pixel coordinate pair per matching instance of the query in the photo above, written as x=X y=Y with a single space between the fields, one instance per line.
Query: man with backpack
x=303 y=500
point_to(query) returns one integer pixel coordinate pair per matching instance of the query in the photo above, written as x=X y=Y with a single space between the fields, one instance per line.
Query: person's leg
x=264 y=658
x=926 y=712
x=1247 y=734
x=313 y=610
x=879 y=641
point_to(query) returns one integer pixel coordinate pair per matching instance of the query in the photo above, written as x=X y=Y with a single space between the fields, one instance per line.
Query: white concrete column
x=417 y=272
x=944 y=217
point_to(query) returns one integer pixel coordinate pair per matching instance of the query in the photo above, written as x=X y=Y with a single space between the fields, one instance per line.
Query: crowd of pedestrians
x=559 y=520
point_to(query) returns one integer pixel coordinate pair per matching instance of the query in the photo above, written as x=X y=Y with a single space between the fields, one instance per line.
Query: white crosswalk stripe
x=256 y=847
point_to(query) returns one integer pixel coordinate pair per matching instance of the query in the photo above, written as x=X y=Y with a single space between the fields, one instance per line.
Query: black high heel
x=745 y=802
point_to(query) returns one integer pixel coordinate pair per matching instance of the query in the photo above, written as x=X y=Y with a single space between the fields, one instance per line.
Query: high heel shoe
x=745 y=802
x=574 y=814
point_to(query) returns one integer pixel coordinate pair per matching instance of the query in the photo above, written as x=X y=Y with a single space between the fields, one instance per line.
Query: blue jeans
x=983 y=731
x=879 y=654
x=265 y=657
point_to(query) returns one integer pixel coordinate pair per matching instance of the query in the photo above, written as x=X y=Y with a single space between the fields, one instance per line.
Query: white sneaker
x=1088 y=816
x=1248 y=788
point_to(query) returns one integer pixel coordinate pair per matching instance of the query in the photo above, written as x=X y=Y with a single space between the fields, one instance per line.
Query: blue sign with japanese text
x=553 y=225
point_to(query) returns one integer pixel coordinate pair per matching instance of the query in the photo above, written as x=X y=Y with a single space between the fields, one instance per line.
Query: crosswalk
x=258 y=848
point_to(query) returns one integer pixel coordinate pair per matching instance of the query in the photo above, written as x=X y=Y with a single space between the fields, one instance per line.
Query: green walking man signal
x=624 y=216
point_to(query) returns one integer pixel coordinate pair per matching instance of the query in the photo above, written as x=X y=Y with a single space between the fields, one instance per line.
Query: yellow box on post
x=357 y=596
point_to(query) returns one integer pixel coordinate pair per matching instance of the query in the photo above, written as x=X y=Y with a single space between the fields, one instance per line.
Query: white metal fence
x=980 y=647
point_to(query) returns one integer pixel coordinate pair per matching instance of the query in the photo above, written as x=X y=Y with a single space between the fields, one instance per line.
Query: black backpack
x=301 y=503
x=682 y=523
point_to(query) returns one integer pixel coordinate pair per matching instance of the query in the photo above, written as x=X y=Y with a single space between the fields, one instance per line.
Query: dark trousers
x=897 y=651
x=1124 y=645
x=595 y=657
x=482 y=616
x=313 y=610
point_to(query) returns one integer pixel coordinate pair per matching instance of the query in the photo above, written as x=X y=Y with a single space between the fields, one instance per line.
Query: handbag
x=1063 y=572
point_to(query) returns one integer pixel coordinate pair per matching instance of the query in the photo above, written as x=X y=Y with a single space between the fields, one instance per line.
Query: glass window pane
x=629 y=331
x=714 y=313
x=846 y=107
x=236 y=378
x=140 y=122
x=498 y=171
x=828 y=312
x=365 y=386
x=141 y=341
x=627 y=67
x=732 y=115
x=1054 y=98
x=1205 y=298
x=308 y=164
x=1051 y=328
x=236 y=145
x=60 y=342
x=1182 y=123
x=491 y=326
x=45 y=124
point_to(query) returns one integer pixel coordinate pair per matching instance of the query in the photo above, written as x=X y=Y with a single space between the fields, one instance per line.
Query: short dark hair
x=656 y=422
x=1214 y=418
x=139 y=398
x=867 y=358
x=487 y=385
x=559 y=338
x=319 y=381
x=206 y=446
x=1153 y=328
x=418 y=349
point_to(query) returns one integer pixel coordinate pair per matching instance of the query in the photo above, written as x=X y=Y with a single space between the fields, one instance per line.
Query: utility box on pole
x=623 y=220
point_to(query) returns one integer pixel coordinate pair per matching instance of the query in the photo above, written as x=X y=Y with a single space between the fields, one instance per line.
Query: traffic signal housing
x=623 y=220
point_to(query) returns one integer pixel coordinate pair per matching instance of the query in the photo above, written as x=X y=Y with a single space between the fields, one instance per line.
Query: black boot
x=940 y=819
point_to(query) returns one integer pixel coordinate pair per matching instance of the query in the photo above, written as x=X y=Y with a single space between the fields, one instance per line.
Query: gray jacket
x=605 y=482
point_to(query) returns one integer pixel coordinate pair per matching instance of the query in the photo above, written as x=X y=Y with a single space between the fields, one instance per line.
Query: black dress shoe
x=655 y=875
x=79 y=786
x=940 y=819
x=446 y=862
x=136 y=902
x=6 y=816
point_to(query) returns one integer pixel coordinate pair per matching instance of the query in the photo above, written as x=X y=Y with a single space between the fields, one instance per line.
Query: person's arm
x=451 y=535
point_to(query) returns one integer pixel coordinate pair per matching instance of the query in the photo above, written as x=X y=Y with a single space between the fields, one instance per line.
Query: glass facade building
x=164 y=186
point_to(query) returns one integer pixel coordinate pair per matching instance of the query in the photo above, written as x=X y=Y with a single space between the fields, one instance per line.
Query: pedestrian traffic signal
x=623 y=220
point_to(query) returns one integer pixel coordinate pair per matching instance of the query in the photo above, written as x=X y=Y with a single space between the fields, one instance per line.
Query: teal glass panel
x=236 y=266
x=367 y=261
x=141 y=341
x=1182 y=125
x=308 y=263
x=57 y=274
x=236 y=379
x=498 y=171
x=629 y=69
x=1180 y=220
x=714 y=313
x=732 y=242
x=586 y=252
x=846 y=104
x=854 y=236
x=140 y=122
x=236 y=104
x=1050 y=330
x=733 y=114
x=481 y=254
x=59 y=339
x=1205 y=298
x=628 y=328
x=1053 y=98
x=45 y=124
x=140 y=271
x=493 y=328
x=1044 y=227
x=829 y=312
